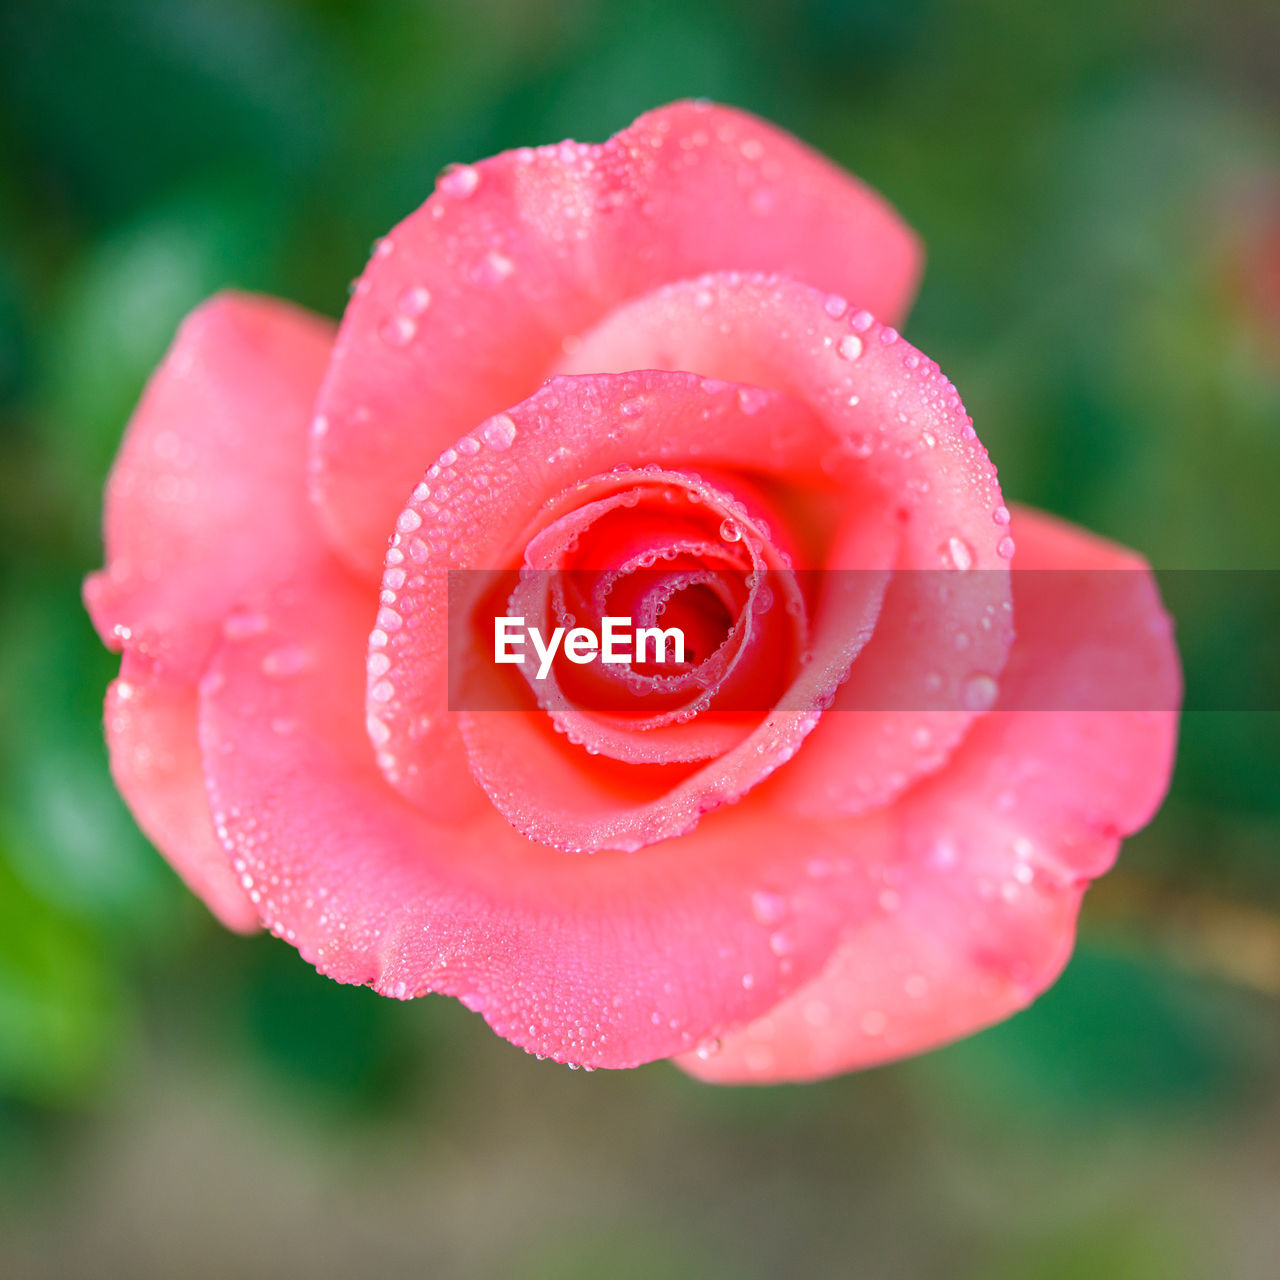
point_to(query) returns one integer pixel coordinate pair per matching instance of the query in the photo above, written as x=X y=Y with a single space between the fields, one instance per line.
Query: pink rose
x=884 y=852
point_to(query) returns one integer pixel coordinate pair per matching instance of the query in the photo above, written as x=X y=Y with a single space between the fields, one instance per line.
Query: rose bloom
x=672 y=353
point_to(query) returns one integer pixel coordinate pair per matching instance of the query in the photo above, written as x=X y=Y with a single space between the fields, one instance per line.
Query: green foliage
x=1115 y=1040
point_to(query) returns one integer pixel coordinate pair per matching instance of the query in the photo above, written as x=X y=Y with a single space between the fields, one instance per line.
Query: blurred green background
x=1098 y=185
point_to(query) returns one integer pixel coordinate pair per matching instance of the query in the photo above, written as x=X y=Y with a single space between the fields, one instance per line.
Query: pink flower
x=659 y=351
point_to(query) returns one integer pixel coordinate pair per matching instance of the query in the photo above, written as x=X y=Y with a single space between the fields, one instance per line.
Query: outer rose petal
x=206 y=503
x=469 y=302
x=207 y=498
x=994 y=854
x=155 y=761
x=609 y=960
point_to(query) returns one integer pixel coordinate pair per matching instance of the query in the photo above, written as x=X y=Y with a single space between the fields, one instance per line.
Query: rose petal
x=611 y=960
x=993 y=854
x=155 y=761
x=207 y=498
x=206 y=503
x=467 y=304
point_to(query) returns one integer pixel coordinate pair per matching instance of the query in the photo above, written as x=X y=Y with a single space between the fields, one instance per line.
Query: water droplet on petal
x=1001 y=515
x=414 y=300
x=398 y=331
x=730 y=532
x=240 y=626
x=961 y=553
x=1005 y=548
x=499 y=433
x=768 y=908
x=835 y=306
x=459 y=181
x=849 y=347
x=288 y=660
x=492 y=269
x=979 y=692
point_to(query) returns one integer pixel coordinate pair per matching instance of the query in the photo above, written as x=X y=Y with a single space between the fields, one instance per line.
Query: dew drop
x=1005 y=548
x=768 y=908
x=849 y=347
x=835 y=306
x=978 y=693
x=1001 y=515
x=459 y=181
x=289 y=660
x=499 y=433
x=398 y=331
x=492 y=269
x=730 y=532
x=780 y=943
x=414 y=300
x=961 y=553
x=240 y=626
